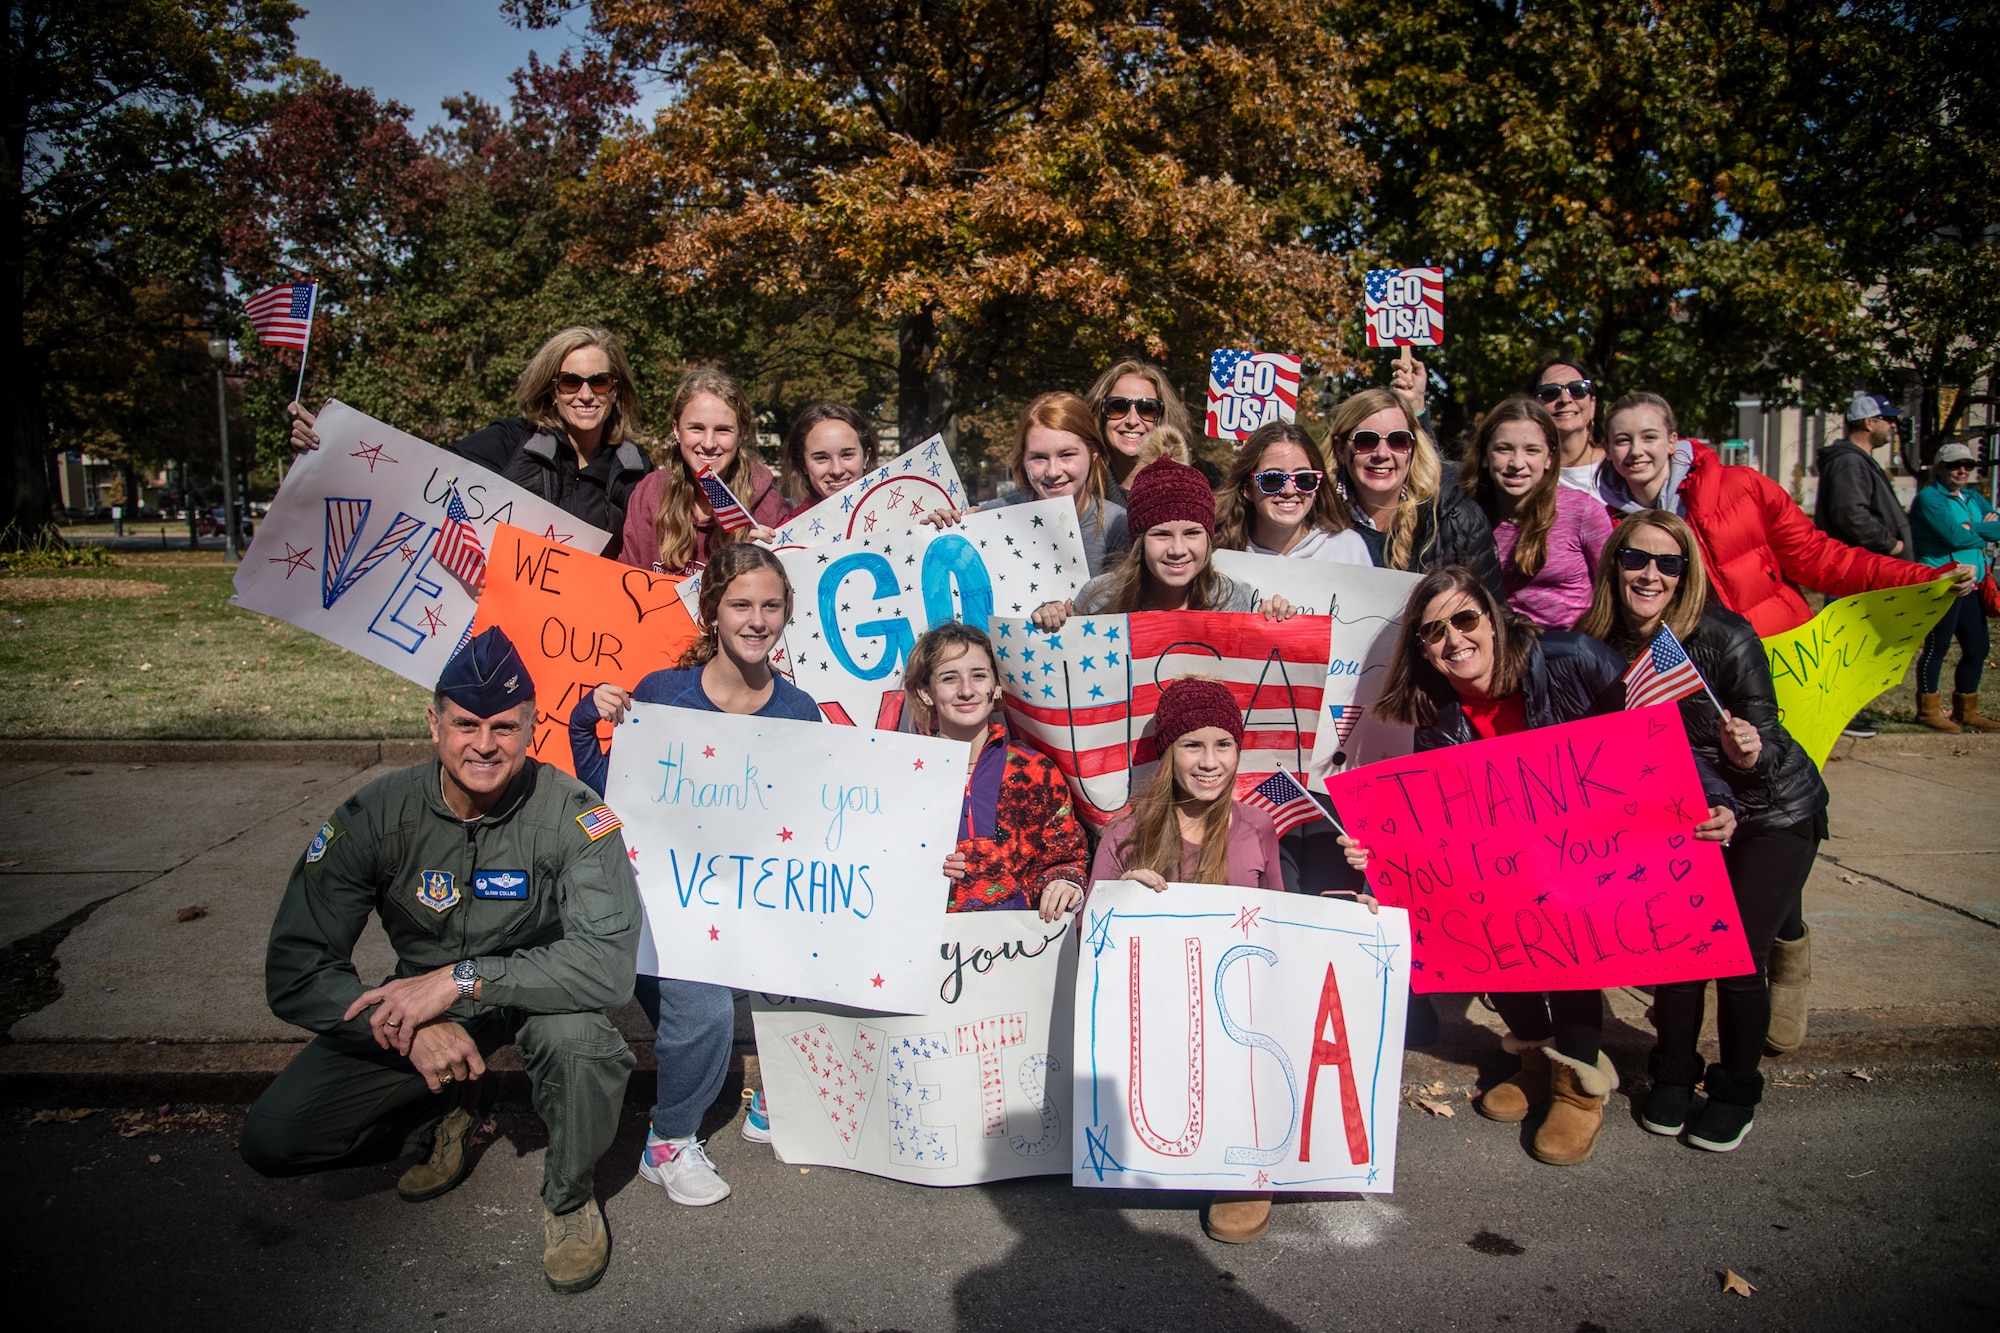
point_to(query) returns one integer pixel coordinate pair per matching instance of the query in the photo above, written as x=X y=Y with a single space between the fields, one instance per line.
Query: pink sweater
x=1559 y=593
x=1253 y=852
x=642 y=547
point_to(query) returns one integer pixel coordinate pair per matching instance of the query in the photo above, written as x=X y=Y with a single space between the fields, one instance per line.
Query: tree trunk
x=24 y=468
x=926 y=398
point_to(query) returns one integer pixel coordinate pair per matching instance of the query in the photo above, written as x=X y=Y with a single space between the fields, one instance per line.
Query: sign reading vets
x=976 y=1089
x=1250 y=389
x=1365 y=608
x=1404 y=307
x=1237 y=1039
x=349 y=549
x=1085 y=695
x=858 y=607
x=1836 y=663
x=1561 y=858
x=788 y=857
x=579 y=621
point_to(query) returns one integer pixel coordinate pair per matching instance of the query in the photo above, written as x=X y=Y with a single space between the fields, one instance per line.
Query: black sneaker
x=1667 y=1109
x=1861 y=728
x=1720 y=1126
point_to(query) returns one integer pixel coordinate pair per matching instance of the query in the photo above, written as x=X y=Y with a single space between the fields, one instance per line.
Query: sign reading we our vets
x=1832 y=666
x=1250 y=389
x=1237 y=1039
x=1404 y=307
x=1560 y=858
x=977 y=1088
x=349 y=549
x=788 y=857
x=858 y=607
x=579 y=621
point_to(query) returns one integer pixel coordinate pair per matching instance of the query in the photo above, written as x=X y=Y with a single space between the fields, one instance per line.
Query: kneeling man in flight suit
x=504 y=886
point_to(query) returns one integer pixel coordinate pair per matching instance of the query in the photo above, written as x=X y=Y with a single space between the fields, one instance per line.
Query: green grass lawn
x=179 y=662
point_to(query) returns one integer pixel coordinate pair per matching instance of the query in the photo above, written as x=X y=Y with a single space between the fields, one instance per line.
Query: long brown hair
x=673 y=523
x=1135 y=581
x=1420 y=486
x=1606 y=617
x=1407 y=695
x=1236 y=507
x=1064 y=412
x=793 y=483
x=1155 y=840
x=730 y=563
x=535 y=390
x=933 y=646
x=1535 y=512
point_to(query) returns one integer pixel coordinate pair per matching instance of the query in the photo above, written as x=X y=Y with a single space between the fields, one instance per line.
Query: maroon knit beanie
x=1189 y=705
x=1164 y=491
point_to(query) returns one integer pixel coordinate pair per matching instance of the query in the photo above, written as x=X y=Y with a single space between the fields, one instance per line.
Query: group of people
x=1551 y=555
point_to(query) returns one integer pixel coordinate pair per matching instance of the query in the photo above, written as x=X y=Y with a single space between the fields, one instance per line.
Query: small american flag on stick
x=1662 y=673
x=729 y=511
x=282 y=315
x=458 y=548
x=1288 y=804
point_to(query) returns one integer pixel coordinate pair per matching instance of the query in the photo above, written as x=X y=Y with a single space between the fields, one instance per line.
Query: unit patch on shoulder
x=598 y=821
x=321 y=840
x=437 y=890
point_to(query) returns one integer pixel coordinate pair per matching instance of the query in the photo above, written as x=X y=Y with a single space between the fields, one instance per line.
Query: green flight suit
x=539 y=893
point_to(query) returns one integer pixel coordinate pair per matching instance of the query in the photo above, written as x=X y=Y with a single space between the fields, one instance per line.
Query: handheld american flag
x=1288 y=804
x=458 y=548
x=729 y=511
x=1662 y=673
x=282 y=315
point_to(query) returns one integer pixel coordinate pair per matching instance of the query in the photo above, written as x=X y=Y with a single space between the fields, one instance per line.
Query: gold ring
x=393 y=1023
x=444 y=1078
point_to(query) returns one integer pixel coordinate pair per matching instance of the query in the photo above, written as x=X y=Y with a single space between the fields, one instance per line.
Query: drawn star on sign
x=293 y=560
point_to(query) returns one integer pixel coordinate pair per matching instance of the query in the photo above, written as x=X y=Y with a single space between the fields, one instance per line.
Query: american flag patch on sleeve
x=598 y=821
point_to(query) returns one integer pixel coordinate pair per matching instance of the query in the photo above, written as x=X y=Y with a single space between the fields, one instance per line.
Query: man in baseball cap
x=1857 y=502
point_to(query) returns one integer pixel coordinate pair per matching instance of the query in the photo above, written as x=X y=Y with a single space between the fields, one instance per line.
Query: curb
x=359 y=753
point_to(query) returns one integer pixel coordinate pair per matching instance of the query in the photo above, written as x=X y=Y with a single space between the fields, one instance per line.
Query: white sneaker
x=682 y=1167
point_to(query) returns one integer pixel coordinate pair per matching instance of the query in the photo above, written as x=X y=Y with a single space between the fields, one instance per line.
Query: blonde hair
x=674 y=522
x=535 y=390
x=730 y=563
x=1174 y=413
x=1606 y=617
x=1069 y=413
x=1419 y=488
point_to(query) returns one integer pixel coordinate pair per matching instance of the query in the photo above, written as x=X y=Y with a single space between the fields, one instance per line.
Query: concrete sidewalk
x=149 y=873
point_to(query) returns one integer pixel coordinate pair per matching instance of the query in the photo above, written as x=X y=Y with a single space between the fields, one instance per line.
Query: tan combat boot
x=1930 y=713
x=1965 y=712
x=576 y=1249
x=1236 y=1219
x=1576 y=1109
x=450 y=1161
x=1789 y=973
x=1525 y=1092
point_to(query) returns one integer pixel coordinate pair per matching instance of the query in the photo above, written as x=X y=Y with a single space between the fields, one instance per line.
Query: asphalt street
x=1855 y=1203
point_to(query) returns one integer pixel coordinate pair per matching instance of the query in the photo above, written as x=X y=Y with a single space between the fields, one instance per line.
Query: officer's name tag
x=499 y=883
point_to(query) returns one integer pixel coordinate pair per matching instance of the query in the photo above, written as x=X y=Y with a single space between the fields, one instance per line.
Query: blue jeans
x=694 y=1025
x=1965 y=621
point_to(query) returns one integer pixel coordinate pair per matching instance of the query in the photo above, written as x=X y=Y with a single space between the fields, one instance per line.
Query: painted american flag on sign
x=1248 y=389
x=1404 y=307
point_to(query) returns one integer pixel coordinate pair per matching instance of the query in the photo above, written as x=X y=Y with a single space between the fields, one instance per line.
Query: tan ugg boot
x=1965 y=712
x=1788 y=974
x=1930 y=713
x=1576 y=1108
x=1526 y=1091
x=1237 y=1219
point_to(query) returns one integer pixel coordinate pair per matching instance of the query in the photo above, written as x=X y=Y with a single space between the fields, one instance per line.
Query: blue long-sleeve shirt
x=681 y=688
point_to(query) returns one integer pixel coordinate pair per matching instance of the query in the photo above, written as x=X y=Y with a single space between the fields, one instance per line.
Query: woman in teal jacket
x=1952 y=522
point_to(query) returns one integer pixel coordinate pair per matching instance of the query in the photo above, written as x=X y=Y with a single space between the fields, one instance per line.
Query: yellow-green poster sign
x=1832 y=666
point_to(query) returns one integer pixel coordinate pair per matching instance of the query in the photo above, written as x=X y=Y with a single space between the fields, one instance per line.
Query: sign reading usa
x=1405 y=307
x=1250 y=389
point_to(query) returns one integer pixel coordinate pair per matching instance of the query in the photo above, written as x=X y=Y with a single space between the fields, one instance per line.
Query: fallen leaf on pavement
x=8 y=865
x=1852 y=879
x=1861 y=1074
x=1731 y=1281
x=191 y=914
x=1436 y=1108
x=154 y=1158
x=68 y=1115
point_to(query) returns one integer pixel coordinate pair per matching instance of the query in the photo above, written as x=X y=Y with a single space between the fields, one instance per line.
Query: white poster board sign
x=1238 y=1039
x=976 y=1089
x=1366 y=606
x=858 y=607
x=788 y=857
x=347 y=550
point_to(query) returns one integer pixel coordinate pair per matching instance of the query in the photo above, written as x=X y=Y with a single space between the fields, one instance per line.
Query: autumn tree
x=1012 y=193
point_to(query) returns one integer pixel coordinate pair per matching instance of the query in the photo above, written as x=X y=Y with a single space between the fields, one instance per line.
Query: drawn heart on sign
x=1677 y=840
x=1383 y=879
x=1694 y=900
x=1632 y=809
x=1388 y=826
x=1654 y=727
x=1476 y=896
x=1678 y=868
x=1423 y=914
x=650 y=592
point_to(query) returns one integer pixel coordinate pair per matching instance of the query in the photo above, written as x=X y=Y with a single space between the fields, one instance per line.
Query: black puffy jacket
x=546 y=466
x=1451 y=530
x=1569 y=677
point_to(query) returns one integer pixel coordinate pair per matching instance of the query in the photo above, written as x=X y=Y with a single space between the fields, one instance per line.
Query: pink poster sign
x=1561 y=858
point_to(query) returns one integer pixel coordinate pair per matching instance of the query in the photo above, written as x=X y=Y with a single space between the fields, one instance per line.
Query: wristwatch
x=466 y=973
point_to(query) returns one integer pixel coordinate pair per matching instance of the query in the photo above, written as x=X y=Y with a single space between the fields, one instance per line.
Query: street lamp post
x=218 y=349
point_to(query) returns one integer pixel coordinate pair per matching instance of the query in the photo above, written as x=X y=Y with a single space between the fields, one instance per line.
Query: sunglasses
x=1432 y=631
x=1399 y=441
x=1631 y=559
x=1305 y=481
x=1149 y=409
x=1963 y=465
x=601 y=382
x=1552 y=393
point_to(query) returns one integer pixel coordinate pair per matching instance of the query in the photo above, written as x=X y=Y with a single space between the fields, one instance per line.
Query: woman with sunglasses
x=1651 y=577
x=1758 y=546
x=1128 y=400
x=1569 y=392
x=1548 y=536
x=1275 y=501
x=828 y=448
x=1467 y=669
x=670 y=528
x=1404 y=499
x=1950 y=523
x=572 y=444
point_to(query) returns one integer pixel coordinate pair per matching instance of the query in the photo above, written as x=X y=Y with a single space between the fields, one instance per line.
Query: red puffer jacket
x=1761 y=548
